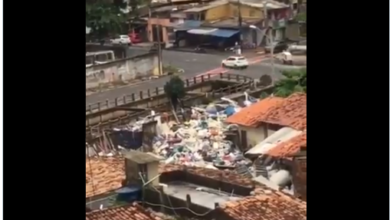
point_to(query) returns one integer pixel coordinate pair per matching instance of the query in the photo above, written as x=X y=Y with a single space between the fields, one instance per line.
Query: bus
x=100 y=57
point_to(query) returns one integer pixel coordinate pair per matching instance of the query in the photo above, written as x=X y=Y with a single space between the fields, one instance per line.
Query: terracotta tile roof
x=252 y=115
x=267 y=205
x=103 y=175
x=264 y=204
x=289 y=147
x=132 y=212
x=291 y=113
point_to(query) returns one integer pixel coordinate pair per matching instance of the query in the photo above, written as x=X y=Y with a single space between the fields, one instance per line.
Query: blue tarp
x=213 y=32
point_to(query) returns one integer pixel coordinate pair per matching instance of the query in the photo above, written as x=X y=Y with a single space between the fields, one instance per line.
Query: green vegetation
x=293 y=81
x=105 y=18
x=175 y=90
x=301 y=17
x=170 y=69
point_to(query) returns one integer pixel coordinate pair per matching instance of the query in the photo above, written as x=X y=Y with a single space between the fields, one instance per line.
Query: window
x=203 y=16
x=274 y=127
x=231 y=58
x=252 y=13
x=101 y=57
x=191 y=17
x=109 y=57
x=194 y=16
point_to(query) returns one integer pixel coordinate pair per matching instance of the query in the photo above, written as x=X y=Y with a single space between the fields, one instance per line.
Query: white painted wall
x=153 y=172
x=255 y=135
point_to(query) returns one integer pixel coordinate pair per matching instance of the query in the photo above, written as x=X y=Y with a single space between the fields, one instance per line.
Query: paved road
x=256 y=70
x=193 y=64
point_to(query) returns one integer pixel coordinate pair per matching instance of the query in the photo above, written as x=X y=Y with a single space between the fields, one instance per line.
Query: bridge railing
x=150 y=93
x=129 y=116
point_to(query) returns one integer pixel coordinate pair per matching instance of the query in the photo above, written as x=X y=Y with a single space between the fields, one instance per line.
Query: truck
x=294 y=55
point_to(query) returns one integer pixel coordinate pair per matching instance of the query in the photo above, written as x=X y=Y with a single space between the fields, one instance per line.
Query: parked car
x=134 y=38
x=278 y=47
x=121 y=39
x=238 y=62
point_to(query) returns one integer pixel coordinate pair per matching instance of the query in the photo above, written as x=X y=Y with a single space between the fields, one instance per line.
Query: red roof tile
x=133 y=212
x=103 y=175
x=289 y=147
x=267 y=205
x=252 y=115
x=291 y=113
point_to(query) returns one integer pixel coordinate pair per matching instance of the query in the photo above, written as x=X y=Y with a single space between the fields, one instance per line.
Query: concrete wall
x=223 y=183
x=122 y=70
x=253 y=135
x=256 y=135
x=231 y=10
x=120 y=51
x=246 y=11
x=153 y=173
x=218 y=12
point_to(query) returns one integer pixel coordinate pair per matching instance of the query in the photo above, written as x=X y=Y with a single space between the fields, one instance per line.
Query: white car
x=238 y=62
x=121 y=39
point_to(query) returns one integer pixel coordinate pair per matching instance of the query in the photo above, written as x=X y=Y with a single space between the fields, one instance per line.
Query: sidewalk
x=248 y=53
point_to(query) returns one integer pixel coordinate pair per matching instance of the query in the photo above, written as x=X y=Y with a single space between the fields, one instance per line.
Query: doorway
x=157 y=33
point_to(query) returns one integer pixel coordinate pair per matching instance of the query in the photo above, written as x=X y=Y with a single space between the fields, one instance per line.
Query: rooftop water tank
x=129 y=194
x=281 y=178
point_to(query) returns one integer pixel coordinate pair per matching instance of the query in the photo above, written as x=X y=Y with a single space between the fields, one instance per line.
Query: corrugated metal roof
x=208 y=6
x=188 y=24
x=213 y=32
x=273 y=140
x=201 y=31
x=260 y=4
x=224 y=33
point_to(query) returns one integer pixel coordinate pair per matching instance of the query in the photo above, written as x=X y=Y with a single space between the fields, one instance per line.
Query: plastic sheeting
x=201 y=140
x=273 y=140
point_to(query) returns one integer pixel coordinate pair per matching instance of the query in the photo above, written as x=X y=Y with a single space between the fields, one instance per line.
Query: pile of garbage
x=199 y=141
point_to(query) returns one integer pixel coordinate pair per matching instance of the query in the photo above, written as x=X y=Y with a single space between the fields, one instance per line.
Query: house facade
x=252 y=14
x=252 y=131
x=270 y=115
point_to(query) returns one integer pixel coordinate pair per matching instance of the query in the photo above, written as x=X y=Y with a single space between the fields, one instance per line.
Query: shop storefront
x=279 y=29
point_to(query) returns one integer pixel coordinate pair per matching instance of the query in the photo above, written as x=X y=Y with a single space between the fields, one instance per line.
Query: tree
x=293 y=81
x=105 y=17
x=301 y=17
x=175 y=90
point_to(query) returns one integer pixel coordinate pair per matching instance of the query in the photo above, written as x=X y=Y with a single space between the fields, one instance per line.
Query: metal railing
x=107 y=124
x=150 y=93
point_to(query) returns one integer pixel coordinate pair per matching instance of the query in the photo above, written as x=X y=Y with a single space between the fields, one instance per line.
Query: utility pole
x=270 y=35
x=159 y=51
x=240 y=26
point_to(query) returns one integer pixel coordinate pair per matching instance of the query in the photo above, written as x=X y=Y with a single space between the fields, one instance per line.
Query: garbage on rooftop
x=200 y=141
